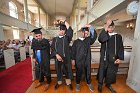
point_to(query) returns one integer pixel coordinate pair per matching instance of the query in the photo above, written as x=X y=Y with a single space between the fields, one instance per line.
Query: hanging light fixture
x=130 y=25
x=56 y=21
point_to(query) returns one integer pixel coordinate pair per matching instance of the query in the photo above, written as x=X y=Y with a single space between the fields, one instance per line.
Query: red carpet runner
x=16 y=79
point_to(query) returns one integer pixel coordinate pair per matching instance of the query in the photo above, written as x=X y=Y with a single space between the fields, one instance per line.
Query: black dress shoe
x=63 y=82
x=111 y=89
x=70 y=86
x=56 y=86
x=99 y=89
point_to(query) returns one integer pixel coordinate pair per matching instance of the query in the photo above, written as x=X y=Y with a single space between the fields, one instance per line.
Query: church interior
x=19 y=17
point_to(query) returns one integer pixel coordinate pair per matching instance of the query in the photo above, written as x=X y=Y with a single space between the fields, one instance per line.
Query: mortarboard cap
x=84 y=29
x=62 y=27
x=37 y=31
x=112 y=24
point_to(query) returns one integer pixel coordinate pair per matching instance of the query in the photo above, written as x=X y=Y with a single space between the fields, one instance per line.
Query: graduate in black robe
x=81 y=55
x=41 y=55
x=111 y=54
x=61 y=52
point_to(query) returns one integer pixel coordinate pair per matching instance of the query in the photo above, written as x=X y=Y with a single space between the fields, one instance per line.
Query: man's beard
x=39 y=39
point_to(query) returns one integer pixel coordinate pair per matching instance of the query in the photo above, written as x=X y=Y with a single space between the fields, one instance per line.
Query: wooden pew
x=9 y=58
x=95 y=66
x=22 y=53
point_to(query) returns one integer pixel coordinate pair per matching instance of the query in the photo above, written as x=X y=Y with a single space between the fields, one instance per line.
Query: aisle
x=17 y=78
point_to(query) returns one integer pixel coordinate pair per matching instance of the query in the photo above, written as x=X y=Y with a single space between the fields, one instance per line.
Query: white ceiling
x=60 y=8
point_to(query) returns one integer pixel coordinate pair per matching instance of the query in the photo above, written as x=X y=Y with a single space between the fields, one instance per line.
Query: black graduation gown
x=61 y=46
x=44 y=66
x=107 y=68
x=81 y=53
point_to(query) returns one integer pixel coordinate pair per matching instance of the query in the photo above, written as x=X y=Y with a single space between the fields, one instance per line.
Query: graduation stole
x=112 y=57
x=63 y=45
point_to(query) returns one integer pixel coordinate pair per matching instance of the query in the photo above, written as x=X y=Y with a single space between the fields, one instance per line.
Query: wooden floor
x=120 y=87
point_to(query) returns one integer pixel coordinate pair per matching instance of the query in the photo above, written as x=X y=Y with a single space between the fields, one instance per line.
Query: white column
x=79 y=19
x=89 y=7
x=76 y=34
x=72 y=21
x=133 y=79
x=39 y=17
x=87 y=18
x=30 y=50
x=1 y=33
x=78 y=23
x=47 y=21
x=79 y=15
x=75 y=21
x=33 y=68
x=26 y=11
x=89 y=4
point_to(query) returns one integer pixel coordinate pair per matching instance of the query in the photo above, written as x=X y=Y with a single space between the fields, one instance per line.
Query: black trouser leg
x=48 y=79
x=79 y=71
x=88 y=74
x=48 y=73
x=41 y=76
x=107 y=84
x=100 y=82
x=102 y=75
x=58 y=66
x=67 y=71
x=39 y=73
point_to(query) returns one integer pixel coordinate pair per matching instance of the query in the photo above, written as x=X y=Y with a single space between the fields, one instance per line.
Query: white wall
x=8 y=34
x=133 y=79
x=1 y=33
x=127 y=35
x=43 y=20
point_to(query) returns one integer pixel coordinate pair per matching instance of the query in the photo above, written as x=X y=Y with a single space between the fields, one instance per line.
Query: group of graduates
x=111 y=54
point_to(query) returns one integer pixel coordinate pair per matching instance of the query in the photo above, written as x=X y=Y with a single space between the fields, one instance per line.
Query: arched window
x=13 y=10
x=16 y=33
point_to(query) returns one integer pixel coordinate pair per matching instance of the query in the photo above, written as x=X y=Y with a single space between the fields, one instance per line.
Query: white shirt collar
x=113 y=33
x=60 y=36
x=81 y=38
